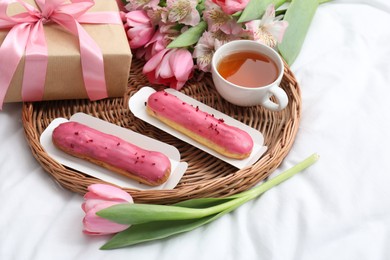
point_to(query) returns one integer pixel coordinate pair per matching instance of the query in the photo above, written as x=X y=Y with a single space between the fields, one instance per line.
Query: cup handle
x=280 y=96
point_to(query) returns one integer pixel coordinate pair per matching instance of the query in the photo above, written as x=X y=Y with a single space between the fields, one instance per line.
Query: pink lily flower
x=170 y=67
x=139 y=28
x=98 y=197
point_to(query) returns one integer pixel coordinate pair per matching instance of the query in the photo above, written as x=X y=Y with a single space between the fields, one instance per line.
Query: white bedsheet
x=337 y=209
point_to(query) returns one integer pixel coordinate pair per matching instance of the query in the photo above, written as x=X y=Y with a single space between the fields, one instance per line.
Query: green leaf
x=280 y=12
x=157 y=230
x=237 y=14
x=189 y=37
x=203 y=202
x=256 y=8
x=299 y=16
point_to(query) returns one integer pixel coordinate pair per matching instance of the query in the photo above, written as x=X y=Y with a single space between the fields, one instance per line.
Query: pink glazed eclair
x=148 y=167
x=204 y=128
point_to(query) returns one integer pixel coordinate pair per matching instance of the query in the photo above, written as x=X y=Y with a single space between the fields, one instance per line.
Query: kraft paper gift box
x=64 y=73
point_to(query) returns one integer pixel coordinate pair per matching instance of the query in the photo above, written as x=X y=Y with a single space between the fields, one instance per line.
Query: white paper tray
x=177 y=168
x=138 y=108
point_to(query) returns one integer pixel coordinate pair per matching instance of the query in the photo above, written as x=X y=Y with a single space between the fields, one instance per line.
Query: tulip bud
x=98 y=197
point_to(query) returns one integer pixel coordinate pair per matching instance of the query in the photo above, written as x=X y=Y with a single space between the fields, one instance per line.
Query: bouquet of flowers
x=176 y=37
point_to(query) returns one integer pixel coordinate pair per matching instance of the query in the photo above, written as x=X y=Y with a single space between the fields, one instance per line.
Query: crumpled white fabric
x=337 y=209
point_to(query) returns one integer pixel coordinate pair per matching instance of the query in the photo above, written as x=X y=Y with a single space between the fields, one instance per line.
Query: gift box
x=64 y=71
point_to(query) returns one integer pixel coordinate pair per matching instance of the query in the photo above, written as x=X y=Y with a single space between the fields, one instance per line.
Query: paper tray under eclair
x=177 y=168
x=137 y=106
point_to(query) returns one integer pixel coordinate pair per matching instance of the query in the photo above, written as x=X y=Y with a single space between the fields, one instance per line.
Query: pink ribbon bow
x=26 y=36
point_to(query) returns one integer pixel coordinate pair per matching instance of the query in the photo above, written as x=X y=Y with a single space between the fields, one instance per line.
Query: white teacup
x=249 y=96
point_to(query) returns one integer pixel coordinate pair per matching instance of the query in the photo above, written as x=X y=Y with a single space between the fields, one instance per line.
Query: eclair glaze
x=111 y=152
x=201 y=126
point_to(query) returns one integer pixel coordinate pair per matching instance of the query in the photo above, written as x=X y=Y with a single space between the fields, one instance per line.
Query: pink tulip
x=139 y=28
x=158 y=43
x=231 y=6
x=98 y=197
x=171 y=67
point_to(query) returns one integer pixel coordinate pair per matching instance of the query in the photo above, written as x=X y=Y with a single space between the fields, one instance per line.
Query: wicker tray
x=206 y=176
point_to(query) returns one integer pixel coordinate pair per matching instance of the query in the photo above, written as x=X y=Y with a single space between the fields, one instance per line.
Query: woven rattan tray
x=206 y=176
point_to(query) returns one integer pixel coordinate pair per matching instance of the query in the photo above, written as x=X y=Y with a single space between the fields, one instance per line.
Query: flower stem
x=144 y=213
x=245 y=196
x=284 y=176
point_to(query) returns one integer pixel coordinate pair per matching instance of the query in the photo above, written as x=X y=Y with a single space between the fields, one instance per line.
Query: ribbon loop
x=26 y=36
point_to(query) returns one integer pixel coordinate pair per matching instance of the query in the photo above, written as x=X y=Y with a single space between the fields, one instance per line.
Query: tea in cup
x=248 y=73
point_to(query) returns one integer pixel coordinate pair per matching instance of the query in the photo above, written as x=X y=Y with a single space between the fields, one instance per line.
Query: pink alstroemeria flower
x=217 y=19
x=133 y=5
x=269 y=30
x=139 y=28
x=204 y=50
x=231 y=6
x=170 y=67
x=183 y=11
x=98 y=197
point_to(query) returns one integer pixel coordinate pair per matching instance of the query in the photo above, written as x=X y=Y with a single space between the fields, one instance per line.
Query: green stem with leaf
x=151 y=222
x=256 y=8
